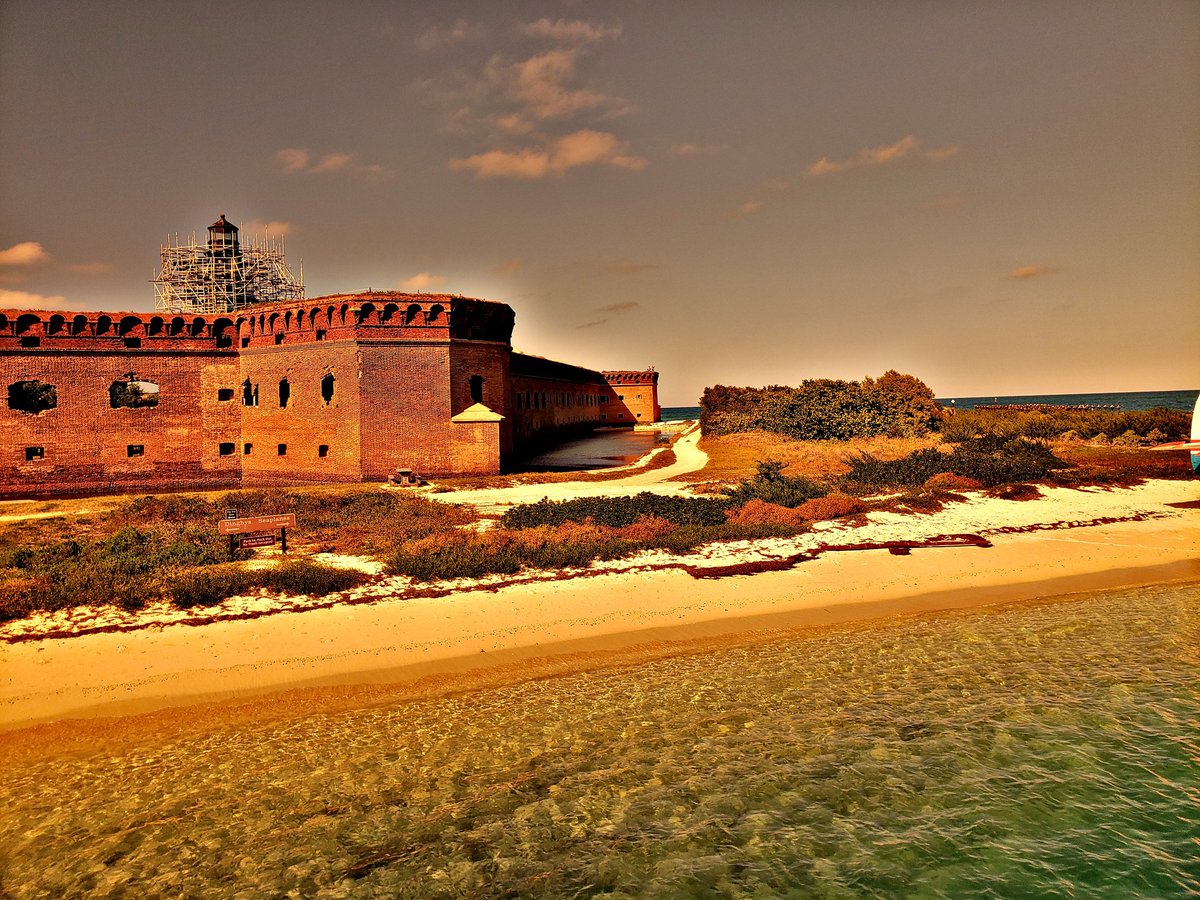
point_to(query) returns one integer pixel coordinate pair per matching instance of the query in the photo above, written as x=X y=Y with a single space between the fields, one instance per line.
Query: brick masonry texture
x=341 y=388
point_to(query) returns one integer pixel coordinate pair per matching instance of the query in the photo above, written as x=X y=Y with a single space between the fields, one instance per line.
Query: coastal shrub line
x=988 y=461
x=1150 y=425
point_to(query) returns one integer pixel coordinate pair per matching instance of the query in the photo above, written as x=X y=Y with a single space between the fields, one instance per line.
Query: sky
x=996 y=197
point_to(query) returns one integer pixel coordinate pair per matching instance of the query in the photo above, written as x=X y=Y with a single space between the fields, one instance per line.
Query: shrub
x=32 y=396
x=304 y=577
x=948 y=481
x=207 y=586
x=760 y=512
x=833 y=506
x=1045 y=424
x=618 y=512
x=824 y=409
x=989 y=461
x=770 y=485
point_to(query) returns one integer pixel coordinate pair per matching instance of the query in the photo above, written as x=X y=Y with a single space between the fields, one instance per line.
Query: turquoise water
x=1035 y=750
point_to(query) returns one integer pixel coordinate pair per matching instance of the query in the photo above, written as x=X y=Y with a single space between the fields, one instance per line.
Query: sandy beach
x=393 y=636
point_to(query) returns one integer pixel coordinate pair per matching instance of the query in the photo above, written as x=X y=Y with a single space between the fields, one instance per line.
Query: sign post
x=232 y=526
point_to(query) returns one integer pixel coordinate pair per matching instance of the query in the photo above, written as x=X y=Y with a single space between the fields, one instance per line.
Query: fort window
x=435 y=312
x=131 y=394
x=32 y=453
x=197 y=327
x=177 y=325
x=322 y=450
x=245 y=342
x=226 y=449
x=224 y=394
x=57 y=324
x=246 y=448
x=283 y=449
x=26 y=322
x=135 y=450
x=31 y=342
x=476 y=382
x=411 y=314
x=156 y=326
x=132 y=342
x=103 y=325
x=278 y=338
x=79 y=325
x=285 y=393
x=327 y=388
x=320 y=334
x=224 y=341
x=32 y=396
x=249 y=393
x=518 y=399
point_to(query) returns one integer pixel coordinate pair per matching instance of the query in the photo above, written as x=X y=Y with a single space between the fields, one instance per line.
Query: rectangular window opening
x=226 y=449
x=245 y=342
x=31 y=342
x=246 y=448
x=323 y=450
x=283 y=449
x=320 y=334
x=131 y=342
x=32 y=453
x=224 y=394
x=135 y=450
x=278 y=339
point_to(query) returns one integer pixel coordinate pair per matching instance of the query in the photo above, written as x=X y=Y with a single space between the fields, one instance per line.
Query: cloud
x=421 y=281
x=26 y=300
x=629 y=267
x=592 y=324
x=748 y=208
x=27 y=253
x=698 y=149
x=298 y=161
x=571 y=151
x=541 y=85
x=622 y=306
x=904 y=148
x=1023 y=273
x=509 y=267
x=437 y=37
x=93 y=268
x=571 y=31
x=273 y=228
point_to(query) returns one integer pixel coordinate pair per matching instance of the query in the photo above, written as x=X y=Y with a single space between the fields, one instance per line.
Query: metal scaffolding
x=222 y=276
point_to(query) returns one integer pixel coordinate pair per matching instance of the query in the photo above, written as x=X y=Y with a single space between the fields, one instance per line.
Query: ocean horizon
x=1125 y=400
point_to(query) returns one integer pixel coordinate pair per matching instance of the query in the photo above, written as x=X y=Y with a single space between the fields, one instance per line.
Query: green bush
x=1049 y=424
x=618 y=512
x=302 y=576
x=824 y=409
x=990 y=460
x=770 y=485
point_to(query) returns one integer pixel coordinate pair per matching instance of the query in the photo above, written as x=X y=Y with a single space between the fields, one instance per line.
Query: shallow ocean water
x=1032 y=750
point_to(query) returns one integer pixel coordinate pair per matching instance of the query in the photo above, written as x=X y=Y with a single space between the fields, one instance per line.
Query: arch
x=329 y=313
x=128 y=324
x=57 y=323
x=389 y=313
x=285 y=392
x=262 y=322
x=435 y=313
x=287 y=321
x=103 y=324
x=271 y=320
x=177 y=326
x=3 y=322
x=197 y=327
x=26 y=322
x=342 y=313
x=156 y=326
x=367 y=313
x=313 y=315
x=220 y=332
x=411 y=314
x=79 y=324
x=299 y=319
x=327 y=388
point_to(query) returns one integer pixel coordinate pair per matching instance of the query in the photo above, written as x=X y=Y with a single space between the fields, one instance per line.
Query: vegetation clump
x=989 y=461
x=770 y=485
x=895 y=404
x=1155 y=425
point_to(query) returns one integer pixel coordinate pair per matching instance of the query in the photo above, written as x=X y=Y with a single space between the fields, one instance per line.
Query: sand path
x=688 y=458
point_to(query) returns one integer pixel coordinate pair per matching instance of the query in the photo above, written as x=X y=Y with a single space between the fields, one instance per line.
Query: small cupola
x=222 y=238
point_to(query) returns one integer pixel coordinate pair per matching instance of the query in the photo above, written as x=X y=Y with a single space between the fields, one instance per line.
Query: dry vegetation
x=734 y=457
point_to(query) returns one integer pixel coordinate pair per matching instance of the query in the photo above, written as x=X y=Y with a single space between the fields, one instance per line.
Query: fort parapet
x=347 y=387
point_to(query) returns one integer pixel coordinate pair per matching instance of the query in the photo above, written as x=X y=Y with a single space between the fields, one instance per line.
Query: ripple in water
x=1037 y=750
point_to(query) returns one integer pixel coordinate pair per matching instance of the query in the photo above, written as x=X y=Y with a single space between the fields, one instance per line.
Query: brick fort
x=223 y=388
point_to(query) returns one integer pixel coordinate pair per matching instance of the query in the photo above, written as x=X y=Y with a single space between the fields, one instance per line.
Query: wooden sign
x=257 y=523
x=258 y=540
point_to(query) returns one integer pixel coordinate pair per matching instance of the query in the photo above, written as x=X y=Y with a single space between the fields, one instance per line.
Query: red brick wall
x=405 y=409
x=635 y=395
x=85 y=441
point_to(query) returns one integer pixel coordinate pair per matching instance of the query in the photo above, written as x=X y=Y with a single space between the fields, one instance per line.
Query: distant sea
x=1033 y=750
x=1126 y=400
